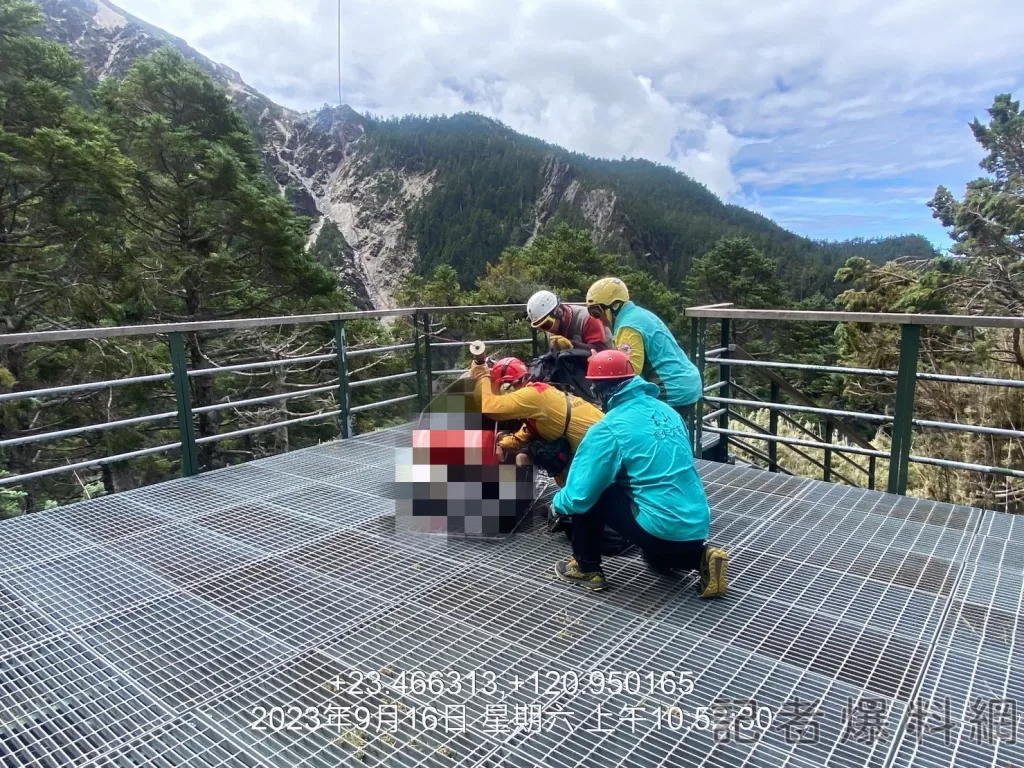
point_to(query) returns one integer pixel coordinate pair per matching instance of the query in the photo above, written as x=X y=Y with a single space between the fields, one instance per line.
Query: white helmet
x=540 y=305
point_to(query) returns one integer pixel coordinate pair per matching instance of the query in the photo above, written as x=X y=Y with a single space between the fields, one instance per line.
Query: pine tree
x=208 y=238
x=61 y=190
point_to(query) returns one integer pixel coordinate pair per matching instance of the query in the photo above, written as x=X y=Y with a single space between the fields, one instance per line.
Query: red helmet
x=610 y=364
x=508 y=370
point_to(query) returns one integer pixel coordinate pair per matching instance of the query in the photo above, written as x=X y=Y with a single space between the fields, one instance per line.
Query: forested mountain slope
x=406 y=195
x=493 y=187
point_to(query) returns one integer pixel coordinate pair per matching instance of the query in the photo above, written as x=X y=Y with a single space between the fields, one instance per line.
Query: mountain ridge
x=408 y=194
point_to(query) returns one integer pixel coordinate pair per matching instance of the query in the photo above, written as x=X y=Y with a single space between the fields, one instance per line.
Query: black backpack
x=566 y=370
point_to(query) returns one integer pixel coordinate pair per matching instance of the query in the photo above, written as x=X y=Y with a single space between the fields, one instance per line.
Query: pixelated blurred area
x=451 y=482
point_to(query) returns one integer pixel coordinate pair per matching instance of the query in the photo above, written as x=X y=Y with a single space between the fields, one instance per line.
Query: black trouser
x=615 y=509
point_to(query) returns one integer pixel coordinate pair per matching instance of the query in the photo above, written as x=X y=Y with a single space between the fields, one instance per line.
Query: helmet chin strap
x=557 y=315
x=612 y=312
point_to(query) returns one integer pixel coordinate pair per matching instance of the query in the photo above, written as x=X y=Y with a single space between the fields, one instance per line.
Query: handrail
x=382 y=404
x=845 y=371
x=728 y=356
x=797 y=425
x=90 y=463
x=265 y=427
x=718 y=396
x=882 y=318
x=74 y=431
x=181 y=378
x=122 y=331
x=793 y=392
x=1004 y=471
x=265 y=399
x=89 y=386
x=770 y=438
x=215 y=370
x=739 y=443
x=758 y=429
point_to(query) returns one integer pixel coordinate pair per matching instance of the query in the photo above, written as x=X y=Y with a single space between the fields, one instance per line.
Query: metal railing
x=723 y=399
x=727 y=356
x=182 y=377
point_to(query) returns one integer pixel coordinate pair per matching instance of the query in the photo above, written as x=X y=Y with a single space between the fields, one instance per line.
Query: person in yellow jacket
x=543 y=407
x=652 y=349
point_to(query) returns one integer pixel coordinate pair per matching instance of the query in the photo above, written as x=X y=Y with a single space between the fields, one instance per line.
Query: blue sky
x=836 y=118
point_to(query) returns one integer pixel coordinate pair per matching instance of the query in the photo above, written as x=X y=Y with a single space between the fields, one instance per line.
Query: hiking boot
x=714 y=574
x=568 y=570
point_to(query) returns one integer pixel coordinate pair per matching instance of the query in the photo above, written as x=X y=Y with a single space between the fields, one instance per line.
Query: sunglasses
x=546 y=324
x=596 y=310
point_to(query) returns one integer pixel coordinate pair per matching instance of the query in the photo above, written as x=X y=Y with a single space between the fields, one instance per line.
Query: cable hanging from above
x=340 y=94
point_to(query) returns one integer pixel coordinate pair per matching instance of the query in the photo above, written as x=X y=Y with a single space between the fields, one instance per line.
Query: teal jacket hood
x=637 y=387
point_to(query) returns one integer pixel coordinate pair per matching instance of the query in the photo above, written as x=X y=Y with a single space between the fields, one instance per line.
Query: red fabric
x=487 y=454
x=594 y=331
x=610 y=364
x=443 y=447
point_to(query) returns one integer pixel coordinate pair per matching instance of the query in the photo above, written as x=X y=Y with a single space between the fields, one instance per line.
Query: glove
x=508 y=444
x=479 y=371
x=559 y=343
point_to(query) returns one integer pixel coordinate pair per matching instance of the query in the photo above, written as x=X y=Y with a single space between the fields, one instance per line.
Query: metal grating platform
x=201 y=622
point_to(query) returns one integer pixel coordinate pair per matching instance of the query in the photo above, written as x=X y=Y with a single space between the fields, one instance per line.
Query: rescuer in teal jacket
x=651 y=347
x=634 y=471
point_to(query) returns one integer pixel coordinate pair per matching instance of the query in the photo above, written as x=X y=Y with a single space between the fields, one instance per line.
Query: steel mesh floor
x=227 y=620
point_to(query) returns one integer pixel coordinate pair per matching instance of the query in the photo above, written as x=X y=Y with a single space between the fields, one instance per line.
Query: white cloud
x=737 y=92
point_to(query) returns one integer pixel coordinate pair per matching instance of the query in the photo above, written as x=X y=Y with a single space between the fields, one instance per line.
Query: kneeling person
x=634 y=472
x=549 y=413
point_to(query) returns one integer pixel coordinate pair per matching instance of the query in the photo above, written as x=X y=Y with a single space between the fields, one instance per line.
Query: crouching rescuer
x=634 y=471
x=555 y=421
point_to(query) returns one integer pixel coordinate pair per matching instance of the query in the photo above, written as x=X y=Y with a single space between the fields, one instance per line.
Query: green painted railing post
x=773 y=427
x=724 y=374
x=871 y=473
x=698 y=431
x=420 y=396
x=428 y=369
x=183 y=397
x=829 y=427
x=695 y=408
x=341 y=347
x=906 y=386
x=533 y=341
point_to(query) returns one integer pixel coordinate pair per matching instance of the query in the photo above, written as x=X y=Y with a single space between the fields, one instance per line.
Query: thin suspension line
x=340 y=95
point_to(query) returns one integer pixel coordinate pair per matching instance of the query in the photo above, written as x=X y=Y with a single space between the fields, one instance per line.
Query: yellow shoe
x=714 y=574
x=569 y=570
